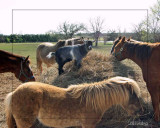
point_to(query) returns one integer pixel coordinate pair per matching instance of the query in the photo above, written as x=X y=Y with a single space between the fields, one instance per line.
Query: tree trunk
x=96 y=43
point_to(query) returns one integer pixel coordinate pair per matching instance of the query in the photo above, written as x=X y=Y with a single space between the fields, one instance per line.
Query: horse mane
x=59 y=44
x=10 y=55
x=98 y=95
x=141 y=50
x=5 y=53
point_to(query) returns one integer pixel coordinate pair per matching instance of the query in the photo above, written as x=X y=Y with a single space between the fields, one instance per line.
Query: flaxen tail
x=8 y=110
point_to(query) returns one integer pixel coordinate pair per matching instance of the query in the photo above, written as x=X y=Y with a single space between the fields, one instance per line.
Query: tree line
x=17 y=38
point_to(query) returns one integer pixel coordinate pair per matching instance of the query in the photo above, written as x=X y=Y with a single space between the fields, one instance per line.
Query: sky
x=40 y=16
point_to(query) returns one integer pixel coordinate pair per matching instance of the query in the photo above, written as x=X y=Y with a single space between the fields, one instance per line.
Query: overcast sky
x=38 y=21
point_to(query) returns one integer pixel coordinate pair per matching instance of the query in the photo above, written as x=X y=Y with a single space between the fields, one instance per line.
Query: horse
x=78 y=105
x=16 y=64
x=118 y=39
x=147 y=57
x=69 y=53
x=44 y=48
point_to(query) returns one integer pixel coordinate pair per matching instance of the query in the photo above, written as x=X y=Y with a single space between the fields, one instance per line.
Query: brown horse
x=16 y=64
x=45 y=48
x=78 y=105
x=147 y=57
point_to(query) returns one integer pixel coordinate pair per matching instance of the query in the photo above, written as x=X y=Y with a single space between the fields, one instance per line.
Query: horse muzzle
x=32 y=78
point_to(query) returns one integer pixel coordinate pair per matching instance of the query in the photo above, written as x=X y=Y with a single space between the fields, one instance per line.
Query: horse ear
x=129 y=39
x=120 y=37
x=26 y=58
x=123 y=39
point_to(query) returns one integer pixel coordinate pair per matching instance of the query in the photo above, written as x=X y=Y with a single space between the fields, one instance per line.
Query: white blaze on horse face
x=71 y=52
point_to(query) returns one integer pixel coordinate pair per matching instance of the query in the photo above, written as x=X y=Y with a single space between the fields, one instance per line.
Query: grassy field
x=97 y=66
x=26 y=49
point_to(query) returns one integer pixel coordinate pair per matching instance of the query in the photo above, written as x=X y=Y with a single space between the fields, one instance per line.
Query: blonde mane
x=98 y=95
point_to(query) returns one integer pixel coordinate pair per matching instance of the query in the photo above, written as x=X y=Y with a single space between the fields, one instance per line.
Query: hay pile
x=96 y=67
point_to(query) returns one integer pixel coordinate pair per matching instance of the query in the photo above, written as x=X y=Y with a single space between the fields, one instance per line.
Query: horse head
x=134 y=106
x=119 y=50
x=88 y=44
x=25 y=74
x=115 y=43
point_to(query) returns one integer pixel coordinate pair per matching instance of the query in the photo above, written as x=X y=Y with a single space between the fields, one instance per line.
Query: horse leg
x=155 y=103
x=78 y=63
x=39 y=66
x=60 y=68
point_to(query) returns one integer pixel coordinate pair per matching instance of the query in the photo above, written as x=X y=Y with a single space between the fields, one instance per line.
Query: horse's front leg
x=60 y=69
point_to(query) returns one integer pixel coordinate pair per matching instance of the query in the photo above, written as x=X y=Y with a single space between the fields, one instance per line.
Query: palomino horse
x=45 y=48
x=78 y=105
x=147 y=57
x=69 y=53
x=16 y=64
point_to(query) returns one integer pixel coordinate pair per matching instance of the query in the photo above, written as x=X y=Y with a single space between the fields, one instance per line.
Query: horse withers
x=147 y=57
x=69 y=53
x=78 y=105
x=16 y=64
x=45 y=48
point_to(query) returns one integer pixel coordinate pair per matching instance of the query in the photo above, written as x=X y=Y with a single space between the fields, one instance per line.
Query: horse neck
x=10 y=63
x=83 y=49
x=57 y=45
x=134 y=58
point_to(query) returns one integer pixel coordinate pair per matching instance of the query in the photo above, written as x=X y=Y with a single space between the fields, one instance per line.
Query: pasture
x=98 y=65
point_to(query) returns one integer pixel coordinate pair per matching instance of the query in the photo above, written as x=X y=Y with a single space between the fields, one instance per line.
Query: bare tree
x=154 y=21
x=70 y=29
x=96 y=27
x=139 y=30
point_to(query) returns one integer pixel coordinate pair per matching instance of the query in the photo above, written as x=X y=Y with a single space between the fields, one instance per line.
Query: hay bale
x=95 y=67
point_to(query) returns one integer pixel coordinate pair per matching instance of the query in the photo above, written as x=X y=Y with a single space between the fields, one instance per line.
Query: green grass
x=26 y=49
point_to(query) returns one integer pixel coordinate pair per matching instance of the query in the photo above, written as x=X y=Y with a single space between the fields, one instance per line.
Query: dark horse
x=16 y=64
x=45 y=48
x=147 y=57
x=69 y=53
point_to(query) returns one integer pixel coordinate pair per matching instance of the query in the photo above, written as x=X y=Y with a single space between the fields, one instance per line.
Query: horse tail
x=8 y=110
x=50 y=55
